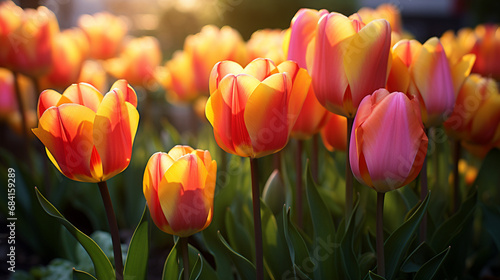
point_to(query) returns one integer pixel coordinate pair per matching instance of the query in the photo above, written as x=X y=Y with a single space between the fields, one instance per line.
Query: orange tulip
x=179 y=189
x=388 y=142
x=253 y=109
x=334 y=133
x=28 y=39
x=137 y=62
x=70 y=51
x=386 y=11
x=266 y=43
x=487 y=50
x=186 y=75
x=105 y=33
x=350 y=61
x=476 y=116
x=88 y=137
x=93 y=73
x=425 y=72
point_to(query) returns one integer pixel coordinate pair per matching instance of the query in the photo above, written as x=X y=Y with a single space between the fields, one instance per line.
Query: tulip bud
x=179 y=189
x=334 y=133
x=388 y=141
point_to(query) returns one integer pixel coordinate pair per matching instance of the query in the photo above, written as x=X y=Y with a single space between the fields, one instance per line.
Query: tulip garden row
x=370 y=155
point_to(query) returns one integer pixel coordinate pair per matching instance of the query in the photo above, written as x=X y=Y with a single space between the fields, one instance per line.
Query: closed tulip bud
x=105 y=33
x=334 y=133
x=350 y=61
x=179 y=189
x=425 y=72
x=476 y=116
x=388 y=142
x=137 y=62
x=88 y=137
x=253 y=109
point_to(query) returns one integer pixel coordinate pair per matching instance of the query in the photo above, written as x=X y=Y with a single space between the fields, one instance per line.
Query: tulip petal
x=266 y=115
x=220 y=70
x=83 y=94
x=260 y=68
x=178 y=151
x=128 y=92
x=66 y=131
x=461 y=70
x=47 y=99
x=115 y=126
x=366 y=70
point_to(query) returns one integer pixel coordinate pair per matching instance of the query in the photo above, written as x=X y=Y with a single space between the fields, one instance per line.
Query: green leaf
x=82 y=275
x=245 y=268
x=374 y=276
x=136 y=264
x=430 y=268
x=398 y=242
x=349 y=259
x=102 y=265
x=171 y=270
x=238 y=237
x=417 y=258
x=454 y=225
x=296 y=244
x=324 y=229
x=197 y=269
x=491 y=216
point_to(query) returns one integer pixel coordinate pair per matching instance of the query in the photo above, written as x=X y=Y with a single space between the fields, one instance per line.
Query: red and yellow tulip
x=93 y=73
x=179 y=189
x=88 y=136
x=334 y=133
x=388 y=142
x=425 y=72
x=267 y=43
x=350 y=60
x=385 y=11
x=253 y=109
x=137 y=62
x=105 y=33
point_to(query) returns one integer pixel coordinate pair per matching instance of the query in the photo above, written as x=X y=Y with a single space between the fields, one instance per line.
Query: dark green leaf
x=171 y=270
x=136 y=264
x=296 y=245
x=430 y=268
x=82 y=275
x=245 y=268
x=197 y=269
x=492 y=222
x=417 y=258
x=102 y=265
x=374 y=276
x=349 y=259
x=398 y=242
x=238 y=237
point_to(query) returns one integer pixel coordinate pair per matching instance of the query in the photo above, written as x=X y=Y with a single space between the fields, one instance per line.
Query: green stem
x=348 y=174
x=380 y=234
x=456 y=176
x=185 y=256
x=113 y=229
x=423 y=193
x=259 y=263
x=298 y=183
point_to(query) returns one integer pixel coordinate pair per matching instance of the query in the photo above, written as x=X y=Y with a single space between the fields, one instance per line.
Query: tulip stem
x=185 y=256
x=314 y=157
x=380 y=234
x=259 y=263
x=423 y=193
x=298 y=177
x=348 y=174
x=456 y=176
x=113 y=229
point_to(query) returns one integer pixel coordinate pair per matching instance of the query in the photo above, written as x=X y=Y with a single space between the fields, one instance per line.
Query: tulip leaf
x=245 y=268
x=324 y=229
x=199 y=265
x=398 y=242
x=197 y=268
x=137 y=257
x=102 y=265
x=275 y=249
x=350 y=262
x=299 y=253
x=171 y=270
x=238 y=237
x=454 y=225
x=82 y=275
x=430 y=268
x=491 y=222
x=417 y=258
x=374 y=276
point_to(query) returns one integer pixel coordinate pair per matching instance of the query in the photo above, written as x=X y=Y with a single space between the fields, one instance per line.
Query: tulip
x=93 y=73
x=388 y=142
x=385 y=11
x=186 y=75
x=88 y=137
x=266 y=43
x=70 y=51
x=333 y=133
x=179 y=189
x=137 y=62
x=253 y=109
x=301 y=33
x=105 y=33
x=425 y=72
x=487 y=50
x=28 y=46
x=350 y=61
